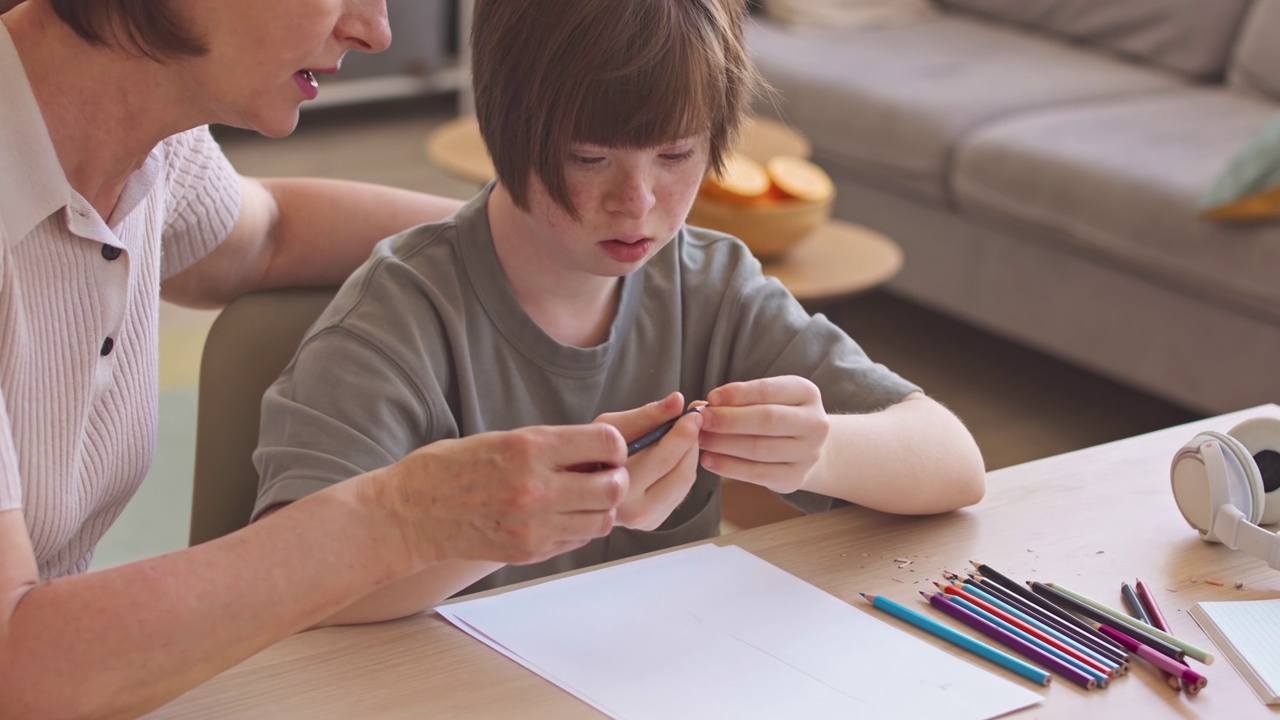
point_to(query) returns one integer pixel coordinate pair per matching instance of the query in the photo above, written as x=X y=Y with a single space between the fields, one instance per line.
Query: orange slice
x=743 y=179
x=799 y=178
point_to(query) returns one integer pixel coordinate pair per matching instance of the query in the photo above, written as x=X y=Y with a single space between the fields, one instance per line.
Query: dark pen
x=656 y=434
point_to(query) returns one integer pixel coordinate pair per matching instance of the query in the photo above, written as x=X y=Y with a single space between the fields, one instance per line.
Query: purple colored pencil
x=1011 y=641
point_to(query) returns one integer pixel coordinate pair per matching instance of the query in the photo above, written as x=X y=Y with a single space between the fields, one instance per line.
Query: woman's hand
x=512 y=497
x=660 y=475
x=769 y=431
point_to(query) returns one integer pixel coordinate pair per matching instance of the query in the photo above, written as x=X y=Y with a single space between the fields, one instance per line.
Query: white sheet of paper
x=711 y=632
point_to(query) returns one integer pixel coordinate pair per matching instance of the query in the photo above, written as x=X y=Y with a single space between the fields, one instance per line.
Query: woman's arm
x=659 y=478
x=121 y=641
x=295 y=232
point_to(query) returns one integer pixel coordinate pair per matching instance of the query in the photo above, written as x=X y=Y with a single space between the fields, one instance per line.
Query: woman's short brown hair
x=615 y=73
x=151 y=27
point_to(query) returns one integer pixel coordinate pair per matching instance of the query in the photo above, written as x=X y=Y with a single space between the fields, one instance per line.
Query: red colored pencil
x=1049 y=640
x=1013 y=642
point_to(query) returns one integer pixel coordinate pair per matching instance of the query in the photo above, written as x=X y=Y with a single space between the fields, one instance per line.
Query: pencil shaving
x=1219 y=583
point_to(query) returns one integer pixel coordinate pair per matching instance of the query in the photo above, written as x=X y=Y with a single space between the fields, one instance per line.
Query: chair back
x=249 y=344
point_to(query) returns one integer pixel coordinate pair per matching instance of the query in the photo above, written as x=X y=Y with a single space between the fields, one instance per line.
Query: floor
x=1019 y=404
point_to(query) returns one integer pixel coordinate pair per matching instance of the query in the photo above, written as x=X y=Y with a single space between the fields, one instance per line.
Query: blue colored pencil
x=1003 y=659
x=996 y=602
x=1116 y=655
x=1102 y=678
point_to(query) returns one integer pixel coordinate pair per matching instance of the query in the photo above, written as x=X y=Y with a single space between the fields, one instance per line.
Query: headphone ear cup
x=1209 y=472
x=1244 y=483
x=1197 y=499
x=1260 y=438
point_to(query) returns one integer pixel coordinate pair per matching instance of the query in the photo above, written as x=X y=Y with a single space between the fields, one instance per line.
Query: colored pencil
x=1086 y=639
x=1068 y=602
x=1161 y=661
x=1100 y=677
x=657 y=433
x=1135 y=608
x=1157 y=619
x=1149 y=602
x=1021 y=590
x=1027 y=670
x=1185 y=646
x=1003 y=659
x=1077 y=650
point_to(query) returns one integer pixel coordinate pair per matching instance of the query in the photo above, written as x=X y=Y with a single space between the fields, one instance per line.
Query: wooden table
x=1089 y=519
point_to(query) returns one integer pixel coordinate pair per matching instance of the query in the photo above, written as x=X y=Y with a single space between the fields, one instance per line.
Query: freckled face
x=630 y=203
x=264 y=55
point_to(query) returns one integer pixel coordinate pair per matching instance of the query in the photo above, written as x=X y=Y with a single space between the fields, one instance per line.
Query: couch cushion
x=1193 y=37
x=890 y=103
x=1119 y=181
x=1256 y=64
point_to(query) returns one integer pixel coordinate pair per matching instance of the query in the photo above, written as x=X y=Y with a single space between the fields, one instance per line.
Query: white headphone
x=1226 y=485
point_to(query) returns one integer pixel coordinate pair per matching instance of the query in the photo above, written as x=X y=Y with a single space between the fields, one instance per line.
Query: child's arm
x=914 y=457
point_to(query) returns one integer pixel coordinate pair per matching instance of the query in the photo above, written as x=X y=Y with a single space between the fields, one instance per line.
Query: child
x=570 y=289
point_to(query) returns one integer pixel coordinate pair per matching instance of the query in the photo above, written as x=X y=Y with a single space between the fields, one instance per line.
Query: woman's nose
x=364 y=26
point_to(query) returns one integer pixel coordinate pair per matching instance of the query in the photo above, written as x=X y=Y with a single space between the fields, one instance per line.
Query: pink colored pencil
x=1164 y=662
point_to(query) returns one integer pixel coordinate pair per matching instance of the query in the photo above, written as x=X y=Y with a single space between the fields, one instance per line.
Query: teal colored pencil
x=981 y=649
x=1182 y=645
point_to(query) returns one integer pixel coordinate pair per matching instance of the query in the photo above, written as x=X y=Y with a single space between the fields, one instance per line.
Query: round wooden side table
x=836 y=261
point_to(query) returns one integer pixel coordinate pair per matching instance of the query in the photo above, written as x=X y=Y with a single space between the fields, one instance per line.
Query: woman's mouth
x=306 y=82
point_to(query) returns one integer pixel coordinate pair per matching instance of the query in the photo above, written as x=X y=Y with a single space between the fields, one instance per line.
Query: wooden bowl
x=769 y=228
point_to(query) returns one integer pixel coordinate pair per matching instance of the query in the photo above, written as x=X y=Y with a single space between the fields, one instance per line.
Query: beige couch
x=1040 y=161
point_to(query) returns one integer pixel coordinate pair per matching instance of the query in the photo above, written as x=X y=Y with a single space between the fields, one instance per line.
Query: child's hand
x=661 y=474
x=769 y=432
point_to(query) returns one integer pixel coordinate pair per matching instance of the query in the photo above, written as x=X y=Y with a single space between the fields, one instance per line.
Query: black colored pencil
x=988 y=572
x=1039 y=613
x=1100 y=617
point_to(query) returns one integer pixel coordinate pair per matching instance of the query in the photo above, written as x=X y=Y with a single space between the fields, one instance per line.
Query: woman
x=113 y=195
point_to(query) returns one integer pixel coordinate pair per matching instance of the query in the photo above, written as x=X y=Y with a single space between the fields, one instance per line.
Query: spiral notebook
x=1248 y=634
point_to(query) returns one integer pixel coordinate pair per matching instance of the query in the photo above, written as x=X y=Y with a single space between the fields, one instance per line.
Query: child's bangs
x=672 y=89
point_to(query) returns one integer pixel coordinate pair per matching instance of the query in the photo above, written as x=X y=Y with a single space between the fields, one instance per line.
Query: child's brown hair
x=615 y=73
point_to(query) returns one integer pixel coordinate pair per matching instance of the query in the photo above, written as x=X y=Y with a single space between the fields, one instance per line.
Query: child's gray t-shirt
x=427 y=341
